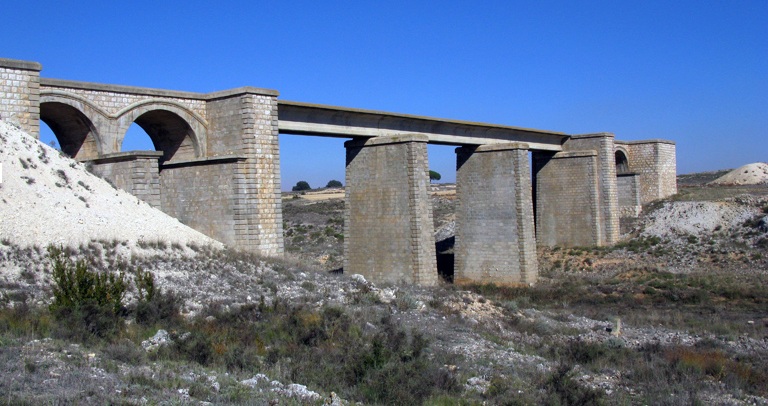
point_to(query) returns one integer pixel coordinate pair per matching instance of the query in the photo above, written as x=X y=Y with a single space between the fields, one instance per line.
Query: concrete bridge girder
x=311 y=119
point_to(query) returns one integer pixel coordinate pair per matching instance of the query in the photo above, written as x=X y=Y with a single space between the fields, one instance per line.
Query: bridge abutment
x=388 y=227
x=495 y=241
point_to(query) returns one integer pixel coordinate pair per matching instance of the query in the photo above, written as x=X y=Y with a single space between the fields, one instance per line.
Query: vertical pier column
x=388 y=228
x=495 y=240
x=240 y=195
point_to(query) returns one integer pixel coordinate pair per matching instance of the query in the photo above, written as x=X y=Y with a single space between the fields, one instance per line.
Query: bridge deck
x=314 y=119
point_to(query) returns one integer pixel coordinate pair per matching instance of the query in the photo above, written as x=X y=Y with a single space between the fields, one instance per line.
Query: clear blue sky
x=695 y=72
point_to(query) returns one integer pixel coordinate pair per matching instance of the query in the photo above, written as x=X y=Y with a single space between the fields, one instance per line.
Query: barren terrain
x=675 y=314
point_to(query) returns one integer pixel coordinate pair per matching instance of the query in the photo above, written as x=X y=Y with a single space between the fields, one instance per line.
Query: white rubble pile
x=47 y=198
x=696 y=218
x=750 y=174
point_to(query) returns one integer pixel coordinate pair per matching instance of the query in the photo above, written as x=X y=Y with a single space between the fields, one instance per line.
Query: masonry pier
x=495 y=238
x=388 y=228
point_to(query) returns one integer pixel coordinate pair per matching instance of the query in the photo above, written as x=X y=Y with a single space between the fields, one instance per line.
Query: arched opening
x=622 y=164
x=136 y=139
x=169 y=133
x=74 y=132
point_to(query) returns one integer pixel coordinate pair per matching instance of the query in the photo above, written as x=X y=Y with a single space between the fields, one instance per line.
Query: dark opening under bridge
x=216 y=168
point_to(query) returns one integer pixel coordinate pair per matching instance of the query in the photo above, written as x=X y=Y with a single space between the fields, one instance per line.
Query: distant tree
x=301 y=185
x=334 y=183
x=434 y=175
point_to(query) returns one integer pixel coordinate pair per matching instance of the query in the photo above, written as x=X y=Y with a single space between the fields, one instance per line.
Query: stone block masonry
x=495 y=239
x=388 y=228
x=202 y=195
x=567 y=199
x=136 y=172
x=608 y=215
x=20 y=94
x=629 y=195
x=654 y=162
x=227 y=186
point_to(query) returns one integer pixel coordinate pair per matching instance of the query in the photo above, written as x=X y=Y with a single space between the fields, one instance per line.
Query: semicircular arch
x=622 y=160
x=179 y=133
x=77 y=124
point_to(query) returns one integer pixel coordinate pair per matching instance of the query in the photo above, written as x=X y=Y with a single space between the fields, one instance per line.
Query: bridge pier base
x=495 y=239
x=388 y=228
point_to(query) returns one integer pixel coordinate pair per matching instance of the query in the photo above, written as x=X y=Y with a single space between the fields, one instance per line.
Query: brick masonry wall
x=629 y=195
x=495 y=240
x=136 y=173
x=567 y=199
x=603 y=144
x=20 y=94
x=655 y=163
x=388 y=228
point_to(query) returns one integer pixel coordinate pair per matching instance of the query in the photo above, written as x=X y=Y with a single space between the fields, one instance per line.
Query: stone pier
x=495 y=240
x=388 y=229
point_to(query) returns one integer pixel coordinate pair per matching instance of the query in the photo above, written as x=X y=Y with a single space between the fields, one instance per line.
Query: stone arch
x=177 y=132
x=75 y=124
x=622 y=163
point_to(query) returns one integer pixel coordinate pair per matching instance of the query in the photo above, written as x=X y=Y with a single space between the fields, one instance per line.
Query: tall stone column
x=388 y=228
x=495 y=241
x=243 y=129
x=20 y=94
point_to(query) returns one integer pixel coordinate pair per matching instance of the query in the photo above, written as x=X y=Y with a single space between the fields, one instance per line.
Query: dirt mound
x=47 y=198
x=751 y=174
x=696 y=218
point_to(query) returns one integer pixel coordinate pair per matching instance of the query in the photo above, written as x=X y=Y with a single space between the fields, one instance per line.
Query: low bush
x=87 y=303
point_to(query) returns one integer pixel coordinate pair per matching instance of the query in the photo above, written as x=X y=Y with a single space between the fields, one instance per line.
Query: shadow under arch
x=622 y=163
x=176 y=132
x=75 y=131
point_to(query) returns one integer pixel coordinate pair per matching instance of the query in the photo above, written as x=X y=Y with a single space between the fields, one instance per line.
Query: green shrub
x=87 y=303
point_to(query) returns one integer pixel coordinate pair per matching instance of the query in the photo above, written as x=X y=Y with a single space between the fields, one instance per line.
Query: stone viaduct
x=216 y=167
